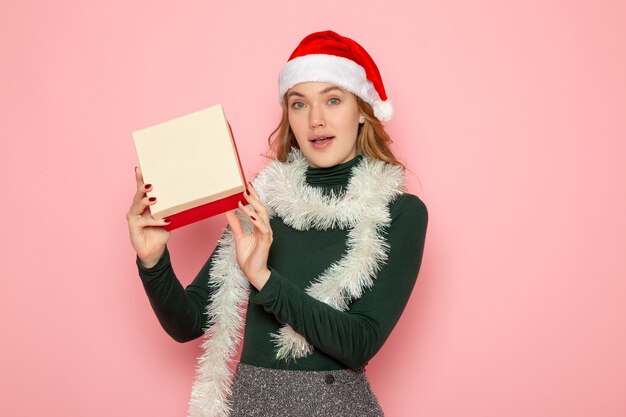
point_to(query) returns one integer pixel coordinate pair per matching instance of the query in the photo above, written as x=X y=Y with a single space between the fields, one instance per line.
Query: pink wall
x=510 y=113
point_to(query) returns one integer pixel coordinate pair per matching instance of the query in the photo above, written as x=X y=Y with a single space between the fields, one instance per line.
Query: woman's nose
x=316 y=118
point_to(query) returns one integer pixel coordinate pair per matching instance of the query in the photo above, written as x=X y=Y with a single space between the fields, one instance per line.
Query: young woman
x=322 y=258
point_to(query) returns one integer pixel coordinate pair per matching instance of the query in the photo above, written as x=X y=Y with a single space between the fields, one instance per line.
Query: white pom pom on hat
x=329 y=57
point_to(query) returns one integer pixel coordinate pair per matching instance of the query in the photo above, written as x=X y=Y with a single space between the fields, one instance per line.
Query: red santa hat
x=332 y=58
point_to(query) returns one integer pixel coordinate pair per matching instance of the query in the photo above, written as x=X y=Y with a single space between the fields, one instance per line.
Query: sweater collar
x=333 y=177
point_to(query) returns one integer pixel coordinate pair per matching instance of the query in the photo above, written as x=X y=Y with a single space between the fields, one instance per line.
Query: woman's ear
x=361 y=119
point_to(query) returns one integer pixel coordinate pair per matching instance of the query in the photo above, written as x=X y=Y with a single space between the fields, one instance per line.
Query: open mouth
x=322 y=139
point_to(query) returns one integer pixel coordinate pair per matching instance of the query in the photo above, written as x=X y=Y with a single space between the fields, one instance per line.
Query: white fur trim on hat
x=335 y=70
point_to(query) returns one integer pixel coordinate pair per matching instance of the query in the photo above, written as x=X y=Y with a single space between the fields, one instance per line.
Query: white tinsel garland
x=363 y=209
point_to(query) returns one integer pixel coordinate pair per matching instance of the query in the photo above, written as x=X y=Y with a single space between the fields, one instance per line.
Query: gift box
x=193 y=166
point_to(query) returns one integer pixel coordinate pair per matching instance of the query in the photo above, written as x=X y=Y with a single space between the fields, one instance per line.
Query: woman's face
x=325 y=120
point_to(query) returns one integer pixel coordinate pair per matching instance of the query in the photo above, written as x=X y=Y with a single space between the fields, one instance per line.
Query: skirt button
x=329 y=379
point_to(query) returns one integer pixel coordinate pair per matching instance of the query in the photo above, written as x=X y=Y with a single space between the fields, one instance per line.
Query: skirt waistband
x=261 y=391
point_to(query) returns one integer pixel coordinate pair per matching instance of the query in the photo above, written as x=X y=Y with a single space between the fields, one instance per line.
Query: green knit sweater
x=340 y=339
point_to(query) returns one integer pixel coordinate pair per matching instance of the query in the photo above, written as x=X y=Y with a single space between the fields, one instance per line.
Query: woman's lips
x=321 y=142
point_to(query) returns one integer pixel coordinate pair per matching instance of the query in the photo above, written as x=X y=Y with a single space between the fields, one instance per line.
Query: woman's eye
x=334 y=101
x=297 y=105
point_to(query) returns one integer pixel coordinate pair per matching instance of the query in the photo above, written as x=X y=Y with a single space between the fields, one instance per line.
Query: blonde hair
x=372 y=139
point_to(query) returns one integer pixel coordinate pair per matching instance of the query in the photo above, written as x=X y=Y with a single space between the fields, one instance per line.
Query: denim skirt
x=268 y=392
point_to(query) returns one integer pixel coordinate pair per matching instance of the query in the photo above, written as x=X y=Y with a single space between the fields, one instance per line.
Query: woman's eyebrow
x=331 y=88
x=324 y=91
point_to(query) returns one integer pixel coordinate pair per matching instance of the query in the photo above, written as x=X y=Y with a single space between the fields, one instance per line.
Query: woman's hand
x=253 y=249
x=147 y=234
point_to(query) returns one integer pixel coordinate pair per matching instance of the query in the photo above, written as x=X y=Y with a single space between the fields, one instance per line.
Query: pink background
x=511 y=114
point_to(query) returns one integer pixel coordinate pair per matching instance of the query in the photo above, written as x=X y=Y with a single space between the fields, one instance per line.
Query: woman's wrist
x=259 y=280
x=151 y=261
x=148 y=263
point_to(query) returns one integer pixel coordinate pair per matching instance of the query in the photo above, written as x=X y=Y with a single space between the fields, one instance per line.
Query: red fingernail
x=147 y=186
x=252 y=218
x=152 y=199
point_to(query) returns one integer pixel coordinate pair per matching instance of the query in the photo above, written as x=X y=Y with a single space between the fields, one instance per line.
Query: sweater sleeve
x=181 y=311
x=353 y=337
